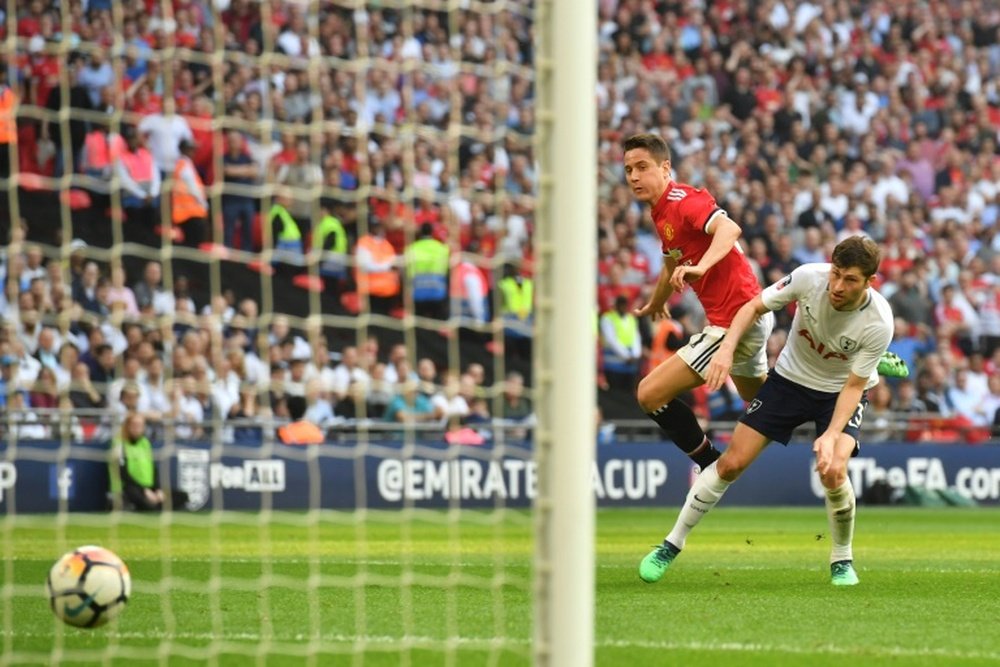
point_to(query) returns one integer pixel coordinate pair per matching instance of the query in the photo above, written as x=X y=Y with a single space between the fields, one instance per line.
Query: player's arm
x=847 y=403
x=722 y=360
x=655 y=306
x=724 y=232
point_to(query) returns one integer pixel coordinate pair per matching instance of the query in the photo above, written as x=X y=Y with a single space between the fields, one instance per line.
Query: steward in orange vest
x=189 y=205
x=8 y=140
x=8 y=123
x=376 y=274
x=300 y=431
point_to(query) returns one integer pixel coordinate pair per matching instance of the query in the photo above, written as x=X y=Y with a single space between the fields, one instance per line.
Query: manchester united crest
x=668 y=232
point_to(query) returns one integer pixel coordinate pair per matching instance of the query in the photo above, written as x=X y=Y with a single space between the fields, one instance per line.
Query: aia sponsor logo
x=821 y=348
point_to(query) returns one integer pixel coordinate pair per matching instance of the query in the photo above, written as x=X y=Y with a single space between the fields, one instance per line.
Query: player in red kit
x=699 y=242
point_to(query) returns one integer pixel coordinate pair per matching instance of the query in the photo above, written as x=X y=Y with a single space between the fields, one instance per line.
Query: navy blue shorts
x=781 y=406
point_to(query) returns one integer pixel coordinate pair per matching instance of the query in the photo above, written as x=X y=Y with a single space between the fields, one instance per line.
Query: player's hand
x=718 y=369
x=823 y=447
x=685 y=274
x=653 y=310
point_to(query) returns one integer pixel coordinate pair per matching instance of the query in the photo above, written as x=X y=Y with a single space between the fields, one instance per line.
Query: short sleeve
x=783 y=292
x=697 y=209
x=872 y=348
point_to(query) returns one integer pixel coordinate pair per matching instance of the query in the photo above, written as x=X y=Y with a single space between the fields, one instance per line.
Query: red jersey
x=680 y=217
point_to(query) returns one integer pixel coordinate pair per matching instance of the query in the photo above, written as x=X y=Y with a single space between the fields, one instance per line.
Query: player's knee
x=834 y=477
x=730 y=467
x=649 y=397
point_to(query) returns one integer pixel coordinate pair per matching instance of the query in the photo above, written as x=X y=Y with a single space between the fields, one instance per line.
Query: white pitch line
x=379 y=640
x=420 y=561
x=383 y=562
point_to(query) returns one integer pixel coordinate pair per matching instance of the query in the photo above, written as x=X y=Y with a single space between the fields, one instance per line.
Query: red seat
x=307 y=282
x=175 y=233
x=216 y=250
x=260 y=267
x=75 y=199
x=351 y=302
x=32 y=182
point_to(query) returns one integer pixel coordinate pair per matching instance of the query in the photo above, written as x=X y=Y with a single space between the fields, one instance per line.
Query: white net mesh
x=222 y=215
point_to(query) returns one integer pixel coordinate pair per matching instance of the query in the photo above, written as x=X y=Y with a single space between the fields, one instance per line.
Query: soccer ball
x=88 y=587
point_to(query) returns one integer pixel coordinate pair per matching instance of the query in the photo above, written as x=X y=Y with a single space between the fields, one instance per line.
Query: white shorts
x=750 y=357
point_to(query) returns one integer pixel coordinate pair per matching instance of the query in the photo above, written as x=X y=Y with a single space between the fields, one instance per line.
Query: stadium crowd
x=809 y=122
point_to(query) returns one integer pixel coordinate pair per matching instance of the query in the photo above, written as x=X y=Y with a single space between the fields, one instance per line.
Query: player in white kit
x=841 y=329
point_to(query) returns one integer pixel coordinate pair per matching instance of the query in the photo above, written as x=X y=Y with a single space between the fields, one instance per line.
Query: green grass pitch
x=413 y=588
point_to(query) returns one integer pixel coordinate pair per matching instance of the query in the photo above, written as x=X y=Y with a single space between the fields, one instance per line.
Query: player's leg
x=750 y=357
x=841 y=505
x=773 y=414
x=657 y=395
x=705 y=493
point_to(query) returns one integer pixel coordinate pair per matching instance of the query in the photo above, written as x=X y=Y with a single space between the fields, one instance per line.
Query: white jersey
x=825 y=344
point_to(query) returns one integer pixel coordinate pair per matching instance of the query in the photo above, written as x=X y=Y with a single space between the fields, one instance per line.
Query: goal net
x=300 y=240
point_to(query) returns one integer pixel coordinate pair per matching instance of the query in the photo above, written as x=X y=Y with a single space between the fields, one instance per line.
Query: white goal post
x=566 y=64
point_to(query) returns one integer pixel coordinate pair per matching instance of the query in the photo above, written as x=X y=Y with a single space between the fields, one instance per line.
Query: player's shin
x=681 y=425
x=706 y=491
x=840 y=511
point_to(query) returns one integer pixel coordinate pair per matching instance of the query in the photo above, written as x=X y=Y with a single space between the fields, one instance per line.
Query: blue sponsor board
x=429 y=474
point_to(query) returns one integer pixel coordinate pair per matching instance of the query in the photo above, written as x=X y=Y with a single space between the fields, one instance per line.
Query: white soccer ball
x=88 y=587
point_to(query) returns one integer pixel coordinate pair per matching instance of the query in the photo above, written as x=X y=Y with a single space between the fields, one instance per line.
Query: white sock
x=706 y=491
x=840 y=510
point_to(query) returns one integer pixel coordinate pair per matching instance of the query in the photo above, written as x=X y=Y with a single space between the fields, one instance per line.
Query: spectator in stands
x=470 y=291
x=302 y=177
x=906 y=399
x=348 y=373
x=164 y=132
x=69 y=357
x=409 y=406
x=140 y=179
x=380 y=392
x=24 y=424
x=989 y=405
x=45 y=392
x=8 y=374
x=239 y=208
x=149 y=293
x=963 y=400
x=957 y=320
x=188 y=412
x=318 y=408
x=119 y=291
x=82 y=392
x=47 y=353
x=912 y=302
x=514 y=405
x=85 y=289
x=96 y=75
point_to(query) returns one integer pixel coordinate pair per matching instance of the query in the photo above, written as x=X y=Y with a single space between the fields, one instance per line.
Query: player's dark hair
x=860 y=252
x=653 y=143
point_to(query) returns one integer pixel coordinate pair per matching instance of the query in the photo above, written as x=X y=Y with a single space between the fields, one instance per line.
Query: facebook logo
x=61 y=481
